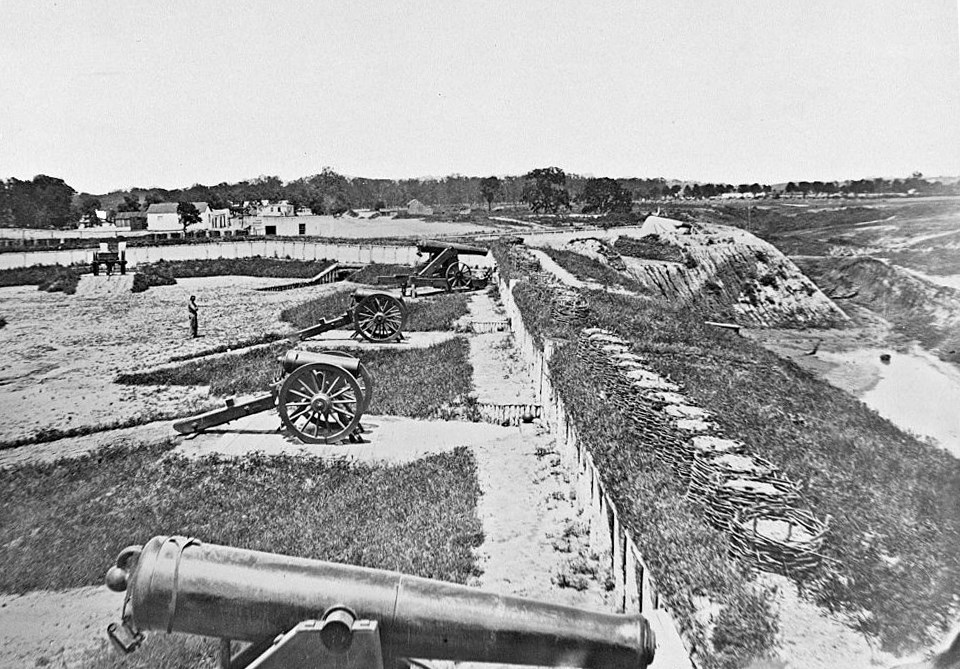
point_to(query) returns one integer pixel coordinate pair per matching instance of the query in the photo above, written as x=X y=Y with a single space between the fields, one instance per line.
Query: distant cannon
x=300 y=613
x=375 y=316
x=320 y=398
x=442 y=270
x=109 y=255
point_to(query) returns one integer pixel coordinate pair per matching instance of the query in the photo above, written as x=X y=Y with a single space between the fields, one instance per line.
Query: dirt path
x=55 y=628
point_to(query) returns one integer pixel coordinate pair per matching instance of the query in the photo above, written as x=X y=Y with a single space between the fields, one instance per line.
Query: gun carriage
x=109 y=255
x=299 y=613
x=443 y=269
x=320 y=397
x=377 y=317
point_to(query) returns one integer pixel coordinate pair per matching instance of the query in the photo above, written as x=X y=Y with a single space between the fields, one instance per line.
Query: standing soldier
x=192 y=308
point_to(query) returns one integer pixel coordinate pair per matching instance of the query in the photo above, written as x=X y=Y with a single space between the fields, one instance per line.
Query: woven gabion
x=782 y=540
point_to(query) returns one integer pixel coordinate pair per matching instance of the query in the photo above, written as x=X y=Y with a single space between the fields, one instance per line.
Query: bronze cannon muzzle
x=176 y=584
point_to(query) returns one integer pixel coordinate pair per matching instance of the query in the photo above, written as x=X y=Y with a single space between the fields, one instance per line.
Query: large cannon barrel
x=294 y=359
x=435 y=246
x=181 y=585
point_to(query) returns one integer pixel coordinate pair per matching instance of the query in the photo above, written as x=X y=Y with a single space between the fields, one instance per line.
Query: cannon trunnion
x=325 y=611
x=320 y=398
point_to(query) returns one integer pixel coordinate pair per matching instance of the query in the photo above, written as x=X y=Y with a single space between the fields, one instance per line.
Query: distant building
x=163 y=217
x=271 y=209
x=418 y=208
x=133 y=220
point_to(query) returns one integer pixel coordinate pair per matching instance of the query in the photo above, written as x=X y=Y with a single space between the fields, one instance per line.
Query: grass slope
x=415 y=382
x=894 y=501
x=438 y=312
x=417 y=518
x=51 y=278
x=255 y=266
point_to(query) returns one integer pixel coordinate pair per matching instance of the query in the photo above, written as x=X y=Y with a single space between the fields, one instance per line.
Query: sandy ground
x=55 y=628
x=498 y=375
x=61 y=352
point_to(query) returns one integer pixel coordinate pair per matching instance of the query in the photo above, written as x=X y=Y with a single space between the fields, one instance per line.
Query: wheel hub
x=321 y=403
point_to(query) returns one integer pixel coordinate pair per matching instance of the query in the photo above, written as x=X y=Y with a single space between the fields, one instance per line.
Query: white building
x=273 y=209
x=163 y=217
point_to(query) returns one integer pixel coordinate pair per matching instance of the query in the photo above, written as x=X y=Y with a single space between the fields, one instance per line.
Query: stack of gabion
x=740 y=493
x=568 y=307
x=637 y=392
x=778 y=539
x=524 y=262
x=728 y=483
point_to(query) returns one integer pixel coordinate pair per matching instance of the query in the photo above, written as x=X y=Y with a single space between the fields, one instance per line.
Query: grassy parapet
x=687 y=557
x=590 y=269
x=419 y=518
x=893 y=547
x=255 y=266
x=438 y=312
x=417 y=383
x=51 y=278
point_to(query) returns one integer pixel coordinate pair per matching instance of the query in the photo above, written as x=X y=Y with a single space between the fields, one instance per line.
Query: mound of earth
x=727 y=273
x=916 y=308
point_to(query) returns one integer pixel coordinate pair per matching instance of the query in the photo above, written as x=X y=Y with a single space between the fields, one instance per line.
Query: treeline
x=48 y=202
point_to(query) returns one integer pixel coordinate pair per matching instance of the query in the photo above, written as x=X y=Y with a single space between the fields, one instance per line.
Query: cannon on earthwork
x=297 y=613
x=320 y=398
x=109 y=255
x=375 y=316
x=443 y=269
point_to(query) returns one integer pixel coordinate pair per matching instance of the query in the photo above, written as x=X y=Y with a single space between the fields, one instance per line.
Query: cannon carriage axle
x=320 y=398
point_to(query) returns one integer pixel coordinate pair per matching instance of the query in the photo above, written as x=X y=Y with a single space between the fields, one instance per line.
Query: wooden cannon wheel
x=320 y=403
x=364 y=379
x=458 y=275
x=379 y=317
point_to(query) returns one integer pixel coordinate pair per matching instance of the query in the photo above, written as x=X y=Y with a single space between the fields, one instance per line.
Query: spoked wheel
x=364 y=379
x=320 y=403
x=458 y=276
x=379 y=317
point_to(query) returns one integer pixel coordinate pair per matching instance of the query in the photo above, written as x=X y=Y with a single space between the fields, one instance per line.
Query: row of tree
x=48 y=202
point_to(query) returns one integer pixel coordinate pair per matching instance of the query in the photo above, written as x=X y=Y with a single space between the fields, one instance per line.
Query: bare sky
x=115 y=93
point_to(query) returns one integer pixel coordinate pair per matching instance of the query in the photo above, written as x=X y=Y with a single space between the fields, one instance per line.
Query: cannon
x=320 y=398
x=109 y=255
x=297 y=612
x=443 y=269
x=377 y=317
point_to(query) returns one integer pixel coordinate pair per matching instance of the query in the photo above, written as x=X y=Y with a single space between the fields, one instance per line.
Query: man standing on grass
x=192 y=308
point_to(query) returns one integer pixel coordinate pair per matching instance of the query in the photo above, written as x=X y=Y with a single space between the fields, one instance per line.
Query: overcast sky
x=113 y=94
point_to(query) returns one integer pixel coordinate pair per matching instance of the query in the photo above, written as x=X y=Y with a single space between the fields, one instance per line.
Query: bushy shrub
x=60 y=279
x=151 y=276
x=255 y=266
